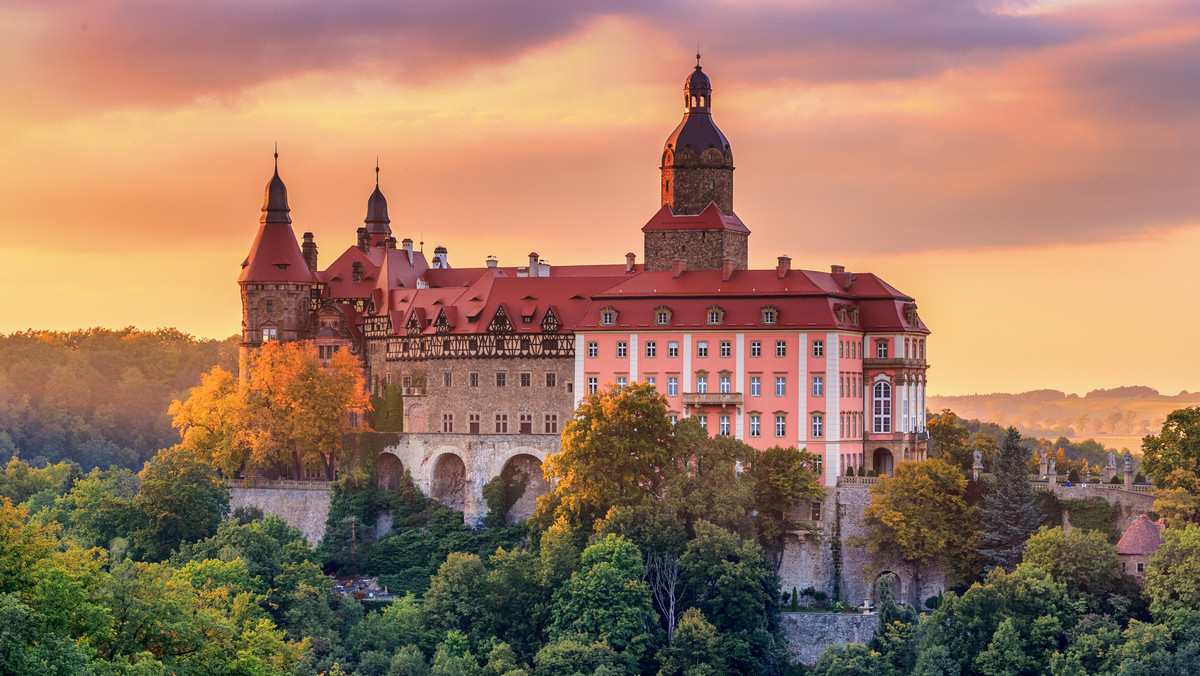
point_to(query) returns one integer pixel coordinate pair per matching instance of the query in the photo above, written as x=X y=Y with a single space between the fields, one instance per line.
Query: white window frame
x=756 y=386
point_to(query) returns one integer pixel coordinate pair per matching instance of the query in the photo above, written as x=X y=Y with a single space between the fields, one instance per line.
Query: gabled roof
x=1142 y=537
x=709 y=219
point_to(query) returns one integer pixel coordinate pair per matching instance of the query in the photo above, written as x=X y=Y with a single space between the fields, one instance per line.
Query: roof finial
x=376 y=171
x=277 y=157
x=697 y=57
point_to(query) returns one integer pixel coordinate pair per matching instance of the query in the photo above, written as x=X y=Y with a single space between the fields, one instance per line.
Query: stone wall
x=1131 y=504
x=689 y=188
x=702 y=249
x=808 y=634
x=304 y=508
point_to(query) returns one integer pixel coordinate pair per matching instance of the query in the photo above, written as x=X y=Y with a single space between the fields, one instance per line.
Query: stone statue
x=1053 y=460
x=1112 y=459
x=978 y=459
x=1128 y=461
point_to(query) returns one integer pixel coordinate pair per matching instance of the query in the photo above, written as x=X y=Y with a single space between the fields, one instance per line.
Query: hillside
x=1117 y=418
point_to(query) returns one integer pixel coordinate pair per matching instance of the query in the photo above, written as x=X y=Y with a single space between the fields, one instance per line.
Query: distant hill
x=1118 y=417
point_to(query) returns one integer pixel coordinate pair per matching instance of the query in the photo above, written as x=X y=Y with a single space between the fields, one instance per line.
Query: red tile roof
x=1142 y=537
x=709 y=219
x=275 y=257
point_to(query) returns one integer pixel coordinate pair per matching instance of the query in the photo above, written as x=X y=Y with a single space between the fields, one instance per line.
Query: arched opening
x=449 y=485
x=390 y=470
x=526 y=469
x=881 y=462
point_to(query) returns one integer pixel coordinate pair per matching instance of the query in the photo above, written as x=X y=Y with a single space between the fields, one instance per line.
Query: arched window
x=693 y=101
x=701 y=101
x=883 y=408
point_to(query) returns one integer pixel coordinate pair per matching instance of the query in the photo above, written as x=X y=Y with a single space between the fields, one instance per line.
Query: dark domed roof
x=275 y=207
x=377 y=216
x=697 y=80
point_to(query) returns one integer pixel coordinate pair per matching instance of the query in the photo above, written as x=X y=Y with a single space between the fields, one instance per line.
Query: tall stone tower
x=276 y=280
x=696 y=223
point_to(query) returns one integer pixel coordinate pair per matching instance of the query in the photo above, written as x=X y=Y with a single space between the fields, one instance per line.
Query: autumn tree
x=615 y=451
x=920 y=515
x=1176 y=446
x=949 y=439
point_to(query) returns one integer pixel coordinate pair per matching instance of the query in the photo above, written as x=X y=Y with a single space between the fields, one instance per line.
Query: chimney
x=629 y=259
x=356 y=275
x=533 y=261
x=727 y=267
x=492 y=262
x=309 y=249
x=364 y=239
x=390 y=242
x=784 y=267
x=406 y=244
x=440 y=257
x=678 y=268
x=839 y=274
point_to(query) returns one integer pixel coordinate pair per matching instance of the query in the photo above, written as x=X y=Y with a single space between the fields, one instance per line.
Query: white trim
x=580 y=381
x=802 y=391
x=686 y=375
x=739 y=376
x=633 y=357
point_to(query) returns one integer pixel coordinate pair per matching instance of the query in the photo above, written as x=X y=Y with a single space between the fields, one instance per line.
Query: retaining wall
x=304 y=508
x=808 y=634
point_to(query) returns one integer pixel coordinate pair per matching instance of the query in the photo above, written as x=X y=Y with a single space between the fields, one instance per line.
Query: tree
x=1085 y=562
x=1009 y=514
x=180 y=499
x=697 y=648
x=1172 y=580
x=455 y=597
x=615 y=451
x=783 y=480
x=1177 y=498
x=949 y=439
x=605 y=600
x=209 y=421
x=1176 y=447
x=710 y=486
x=517 y=603
x=920 y=515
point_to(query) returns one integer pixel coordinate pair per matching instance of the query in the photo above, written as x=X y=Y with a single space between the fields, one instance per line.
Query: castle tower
x=276 y=281
x=696 y=223
x=377 y=223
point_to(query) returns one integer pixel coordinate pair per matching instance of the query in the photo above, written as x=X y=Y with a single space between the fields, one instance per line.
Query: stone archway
x=390 y=471
x=881 y=462
x=449 y=485
x=528 y=469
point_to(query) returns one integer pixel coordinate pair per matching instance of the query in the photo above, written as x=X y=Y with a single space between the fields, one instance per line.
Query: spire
x=275 y=206
x=377 y=220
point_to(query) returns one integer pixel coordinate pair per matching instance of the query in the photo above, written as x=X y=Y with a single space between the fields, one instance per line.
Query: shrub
x=850 y=470
x=1116 y=480
x=1073 y=476
x=872 y=472
x=795 y=605
x=1140 y=478
x=933 y=602
x=862 y=470
x=841 y=607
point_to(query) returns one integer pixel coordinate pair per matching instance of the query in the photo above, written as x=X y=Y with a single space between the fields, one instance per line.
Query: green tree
x=1009 y=514
x=697 y=648
x=605 y=601
x=852 y=658
x=455 y=600
x=1175 y=447
x=784 y=479
x=1177 y=498
x=920 y=515
x=518 y=605
x=179 y=499
x=1172 y=580
x=710 y=486
x=1086 y=563
x=616 y=450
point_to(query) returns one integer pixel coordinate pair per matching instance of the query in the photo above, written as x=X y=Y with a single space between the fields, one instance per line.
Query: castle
x=492 y=360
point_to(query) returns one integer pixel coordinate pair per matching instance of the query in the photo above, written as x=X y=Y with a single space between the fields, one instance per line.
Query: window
x=473 y=423
x=882 y=408
x=447 y=422
x=781 y=348
x=814 y=512
x=473 y=379
x=723 y=424
x=672 y=349
x=526 y=379
x=818 y=386
x=756 y=348
x=622 y=381
x=406 y=382
x=526 y=423
x=724 y=384
x=702 y=348
x=755 y=386
x=715 y=316
x=651 y=348
x=818 y=423
x=662 y=317
x=726 y=348
x=501 y=378
x=881 y=349
x=269 y=334
x=769 y=315
x=608 y=317
x=622 y=349
x=780 y=386
x=551 y=379
x=674 y=419
x=551 y=423
x=593 y=349
x=672 y=386
x=818 y=348
x=701 y=384
x=652 y=381
x=447 y=379
x=780 y=425
x=755 y=425
x=591 y=384
x=270 y=305
x=501 y=423
x=703 y=420
x=1141 y=567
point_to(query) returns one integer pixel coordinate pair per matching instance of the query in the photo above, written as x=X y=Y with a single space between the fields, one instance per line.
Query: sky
x=1029 y=171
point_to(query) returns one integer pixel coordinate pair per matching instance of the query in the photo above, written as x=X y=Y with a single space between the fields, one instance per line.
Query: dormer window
x=282 y=266
x=770 y=315
x=715 y=315
x=662 y=315
x=608 y=316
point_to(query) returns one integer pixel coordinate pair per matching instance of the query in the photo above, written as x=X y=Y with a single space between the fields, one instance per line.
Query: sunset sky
x=1028 y=171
